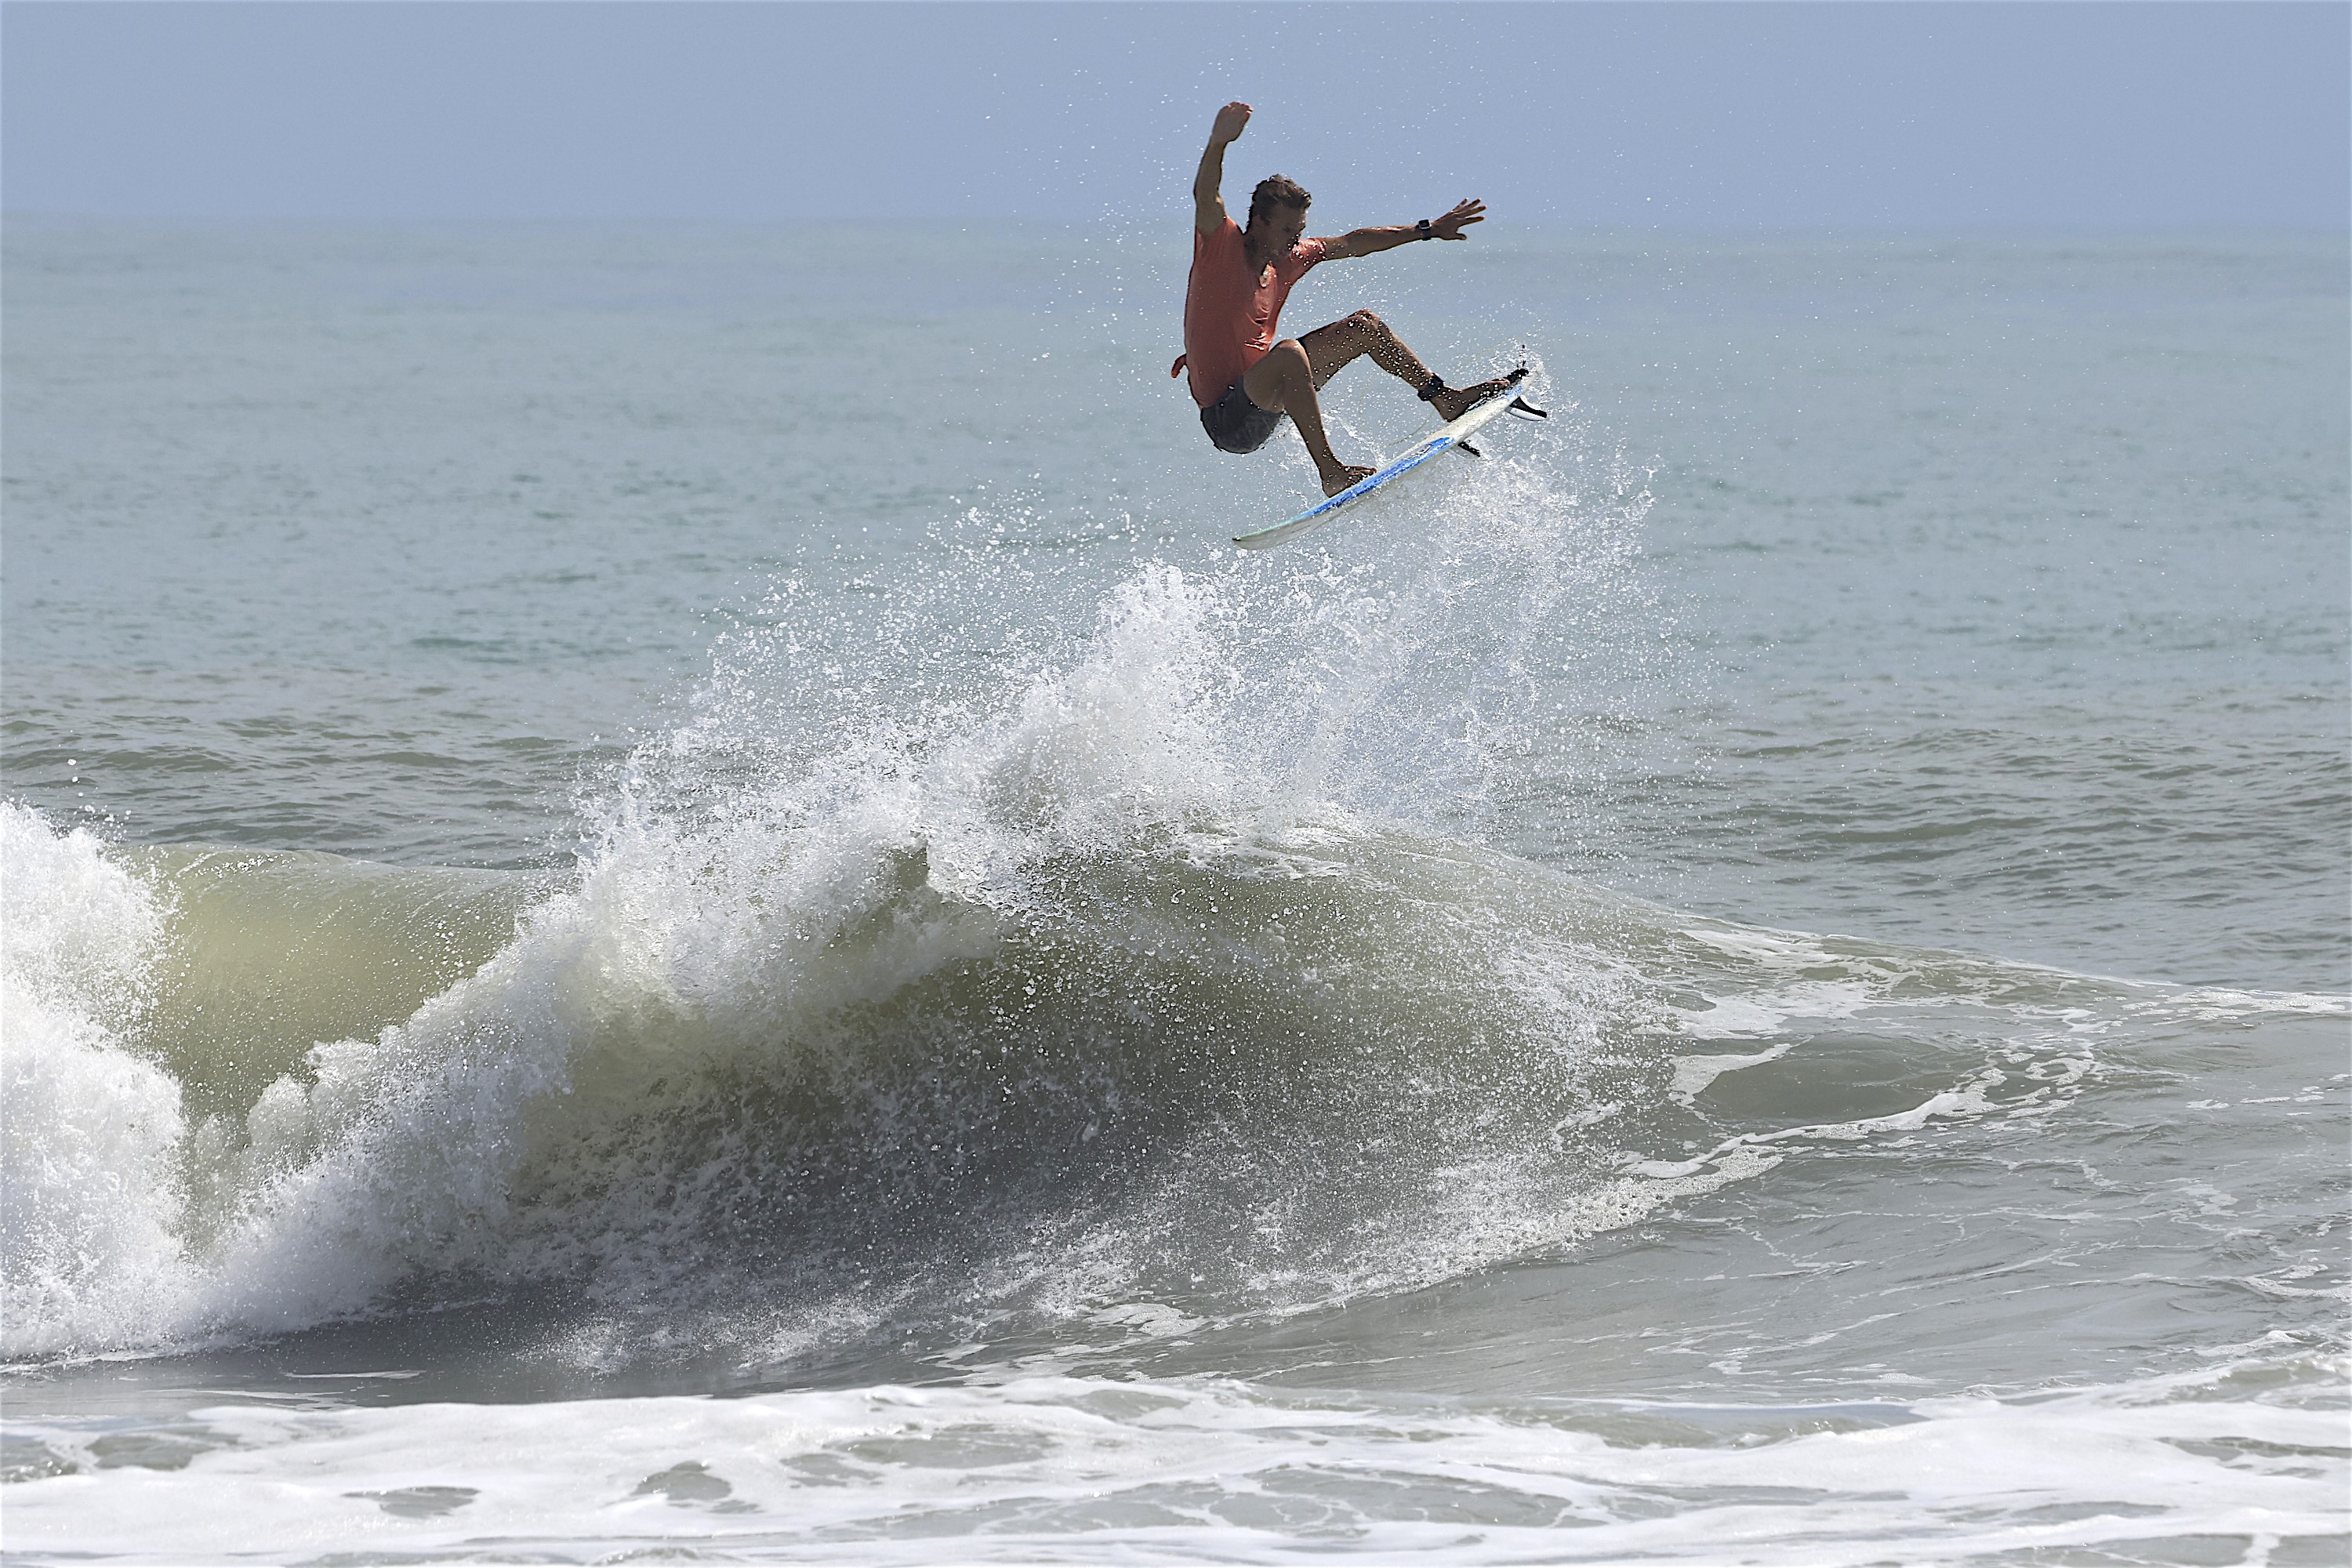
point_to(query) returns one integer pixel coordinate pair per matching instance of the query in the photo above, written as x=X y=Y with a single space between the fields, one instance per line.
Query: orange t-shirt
x=1231 y=308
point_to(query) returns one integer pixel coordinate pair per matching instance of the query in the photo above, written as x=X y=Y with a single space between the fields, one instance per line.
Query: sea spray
x=91 y=1198
x=997 y=1017
x=1082 y=964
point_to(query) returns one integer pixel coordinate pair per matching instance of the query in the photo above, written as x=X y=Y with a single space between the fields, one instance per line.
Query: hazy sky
x=1685 y=114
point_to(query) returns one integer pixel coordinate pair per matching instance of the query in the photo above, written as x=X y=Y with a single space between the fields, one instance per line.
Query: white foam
x=1785 y=949
x=1963 y=1100
x=90 y=1200
x=1076 y=1470
x=1763 y=1013
x=2214 y=1004
x=1694 y=1074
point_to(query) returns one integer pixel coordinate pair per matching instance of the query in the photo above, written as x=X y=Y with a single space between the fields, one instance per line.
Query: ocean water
x=669 y=898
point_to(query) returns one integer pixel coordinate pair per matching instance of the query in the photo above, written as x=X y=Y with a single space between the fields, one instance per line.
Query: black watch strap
x=1421 y=229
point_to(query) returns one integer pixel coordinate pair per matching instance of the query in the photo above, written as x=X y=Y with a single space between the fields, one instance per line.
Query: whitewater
x=608 y=956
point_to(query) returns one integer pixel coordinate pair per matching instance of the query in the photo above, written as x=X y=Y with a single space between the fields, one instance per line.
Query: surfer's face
x=1281 y=224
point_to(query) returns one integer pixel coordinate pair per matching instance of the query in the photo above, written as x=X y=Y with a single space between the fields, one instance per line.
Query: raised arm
x=1366 y=241
x=1208 y=196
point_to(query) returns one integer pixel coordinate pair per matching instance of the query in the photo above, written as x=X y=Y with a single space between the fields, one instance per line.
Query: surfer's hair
x=1278 y=188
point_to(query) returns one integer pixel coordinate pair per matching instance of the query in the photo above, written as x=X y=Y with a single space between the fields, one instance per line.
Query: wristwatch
x=1423 y=230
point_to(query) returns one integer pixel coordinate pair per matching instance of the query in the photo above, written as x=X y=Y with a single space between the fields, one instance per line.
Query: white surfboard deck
x=1427 y=450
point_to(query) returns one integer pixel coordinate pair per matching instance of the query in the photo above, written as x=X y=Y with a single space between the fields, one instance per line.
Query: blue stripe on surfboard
x=1372 y=482
x=1360 y=488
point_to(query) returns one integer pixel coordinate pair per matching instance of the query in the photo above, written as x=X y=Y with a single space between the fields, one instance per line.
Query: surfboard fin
x=1521 y=408
x=1466 y=447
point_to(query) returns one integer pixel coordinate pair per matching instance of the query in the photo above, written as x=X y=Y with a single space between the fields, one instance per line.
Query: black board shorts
x=1237 y=424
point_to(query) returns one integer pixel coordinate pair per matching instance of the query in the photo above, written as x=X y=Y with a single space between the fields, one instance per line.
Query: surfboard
x=1448 y=438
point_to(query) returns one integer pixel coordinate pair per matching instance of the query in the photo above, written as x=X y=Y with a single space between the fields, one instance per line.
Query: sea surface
x=669 y=898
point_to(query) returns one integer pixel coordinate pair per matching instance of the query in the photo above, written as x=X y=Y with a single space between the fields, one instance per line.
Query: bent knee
x=1285 y=360
x=1365 y=321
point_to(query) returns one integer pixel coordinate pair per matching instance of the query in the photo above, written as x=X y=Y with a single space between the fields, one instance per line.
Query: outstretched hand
x=1230 y=121
x=1463 y=214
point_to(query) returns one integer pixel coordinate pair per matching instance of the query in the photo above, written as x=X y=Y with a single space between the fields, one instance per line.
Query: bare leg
x=1330 y=347
x=1284 y=381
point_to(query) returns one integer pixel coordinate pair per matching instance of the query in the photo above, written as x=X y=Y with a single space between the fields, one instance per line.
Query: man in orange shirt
x=1245 y=380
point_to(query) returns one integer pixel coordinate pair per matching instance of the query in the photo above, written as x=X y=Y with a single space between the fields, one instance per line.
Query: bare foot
x=1339 y=478
x=1455 y=401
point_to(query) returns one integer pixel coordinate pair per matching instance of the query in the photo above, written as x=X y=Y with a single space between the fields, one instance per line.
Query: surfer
x=1244 y=381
